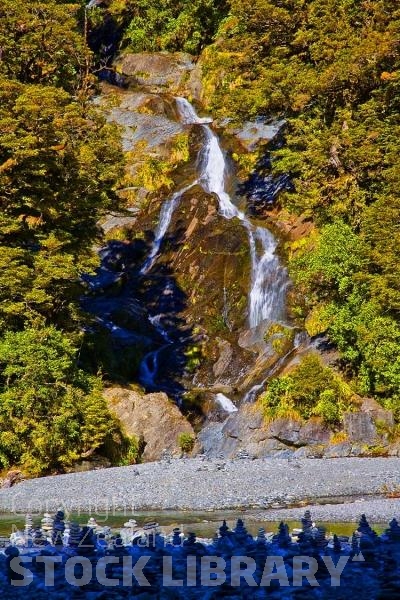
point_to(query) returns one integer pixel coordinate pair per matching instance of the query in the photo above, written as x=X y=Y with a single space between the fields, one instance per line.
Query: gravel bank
x=202 y=485
x=380 y=510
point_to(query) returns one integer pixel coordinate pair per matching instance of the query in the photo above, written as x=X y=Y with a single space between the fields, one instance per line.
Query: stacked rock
x=28 y=529
x=47 y=525
x=74 y=535
x=57 y=536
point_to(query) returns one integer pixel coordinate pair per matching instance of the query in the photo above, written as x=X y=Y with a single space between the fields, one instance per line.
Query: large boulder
x=372 y=408
x=298 y=433
x=153 y=418
x=360 y=427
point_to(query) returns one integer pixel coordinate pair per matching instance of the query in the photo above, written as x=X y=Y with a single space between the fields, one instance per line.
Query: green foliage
x=332 y=69
x=311 y=389
x=59 y=162
x=280 y=337
x=51 y=413
x=193 y=356
x=175 y=25
x=130 y=451
x=40 y=43
x=186 y=442
x=59 y=165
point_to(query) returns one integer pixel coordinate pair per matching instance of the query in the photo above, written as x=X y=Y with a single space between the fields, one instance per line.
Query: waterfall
x=225 y=403
x=166 y=213
x=268 y=278
x=187 y=113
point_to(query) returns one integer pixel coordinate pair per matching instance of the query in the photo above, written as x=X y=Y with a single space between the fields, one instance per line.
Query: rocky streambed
x=269 y=485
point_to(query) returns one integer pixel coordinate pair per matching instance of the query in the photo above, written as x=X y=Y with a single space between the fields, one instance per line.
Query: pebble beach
x=335 y=489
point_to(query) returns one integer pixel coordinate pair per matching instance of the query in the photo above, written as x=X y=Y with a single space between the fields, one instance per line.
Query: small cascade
x=187 y=113
x=213 y=173
x=148 y=368
x=269 y=280
x=225 y=403
x=167 y=211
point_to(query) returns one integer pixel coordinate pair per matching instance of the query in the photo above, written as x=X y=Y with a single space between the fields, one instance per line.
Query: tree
x=59 y=164
x=51 y=412
x=40 y=42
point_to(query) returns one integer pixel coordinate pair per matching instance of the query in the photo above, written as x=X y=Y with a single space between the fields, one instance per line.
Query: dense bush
x=311 y=389
x=51 y=412
x=59 y=164
x=173 y=25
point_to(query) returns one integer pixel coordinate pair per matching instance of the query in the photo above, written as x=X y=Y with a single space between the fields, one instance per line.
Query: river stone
x=153 y=418
x=359 y=427
x=315 y=451
x=156 y=71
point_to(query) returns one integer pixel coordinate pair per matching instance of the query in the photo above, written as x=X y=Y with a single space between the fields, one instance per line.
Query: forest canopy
x=59 y=163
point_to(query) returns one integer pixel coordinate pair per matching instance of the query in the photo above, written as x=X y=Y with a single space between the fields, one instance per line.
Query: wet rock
x=153 y=418
x=209 y=256
x=359 y=427
x=156 y=71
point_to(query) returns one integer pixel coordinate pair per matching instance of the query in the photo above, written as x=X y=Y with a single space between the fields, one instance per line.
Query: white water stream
x=269 y=279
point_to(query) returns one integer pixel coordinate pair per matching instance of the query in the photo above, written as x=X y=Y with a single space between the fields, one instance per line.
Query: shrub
x=310 y=389
x=186 y=442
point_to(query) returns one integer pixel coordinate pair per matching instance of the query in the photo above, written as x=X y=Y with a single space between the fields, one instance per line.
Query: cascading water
x=167 y=211
x=268 y=278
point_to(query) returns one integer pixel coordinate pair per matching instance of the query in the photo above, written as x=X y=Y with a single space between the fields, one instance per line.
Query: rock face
x=246 y=431
x=360 y=427
x=209 y=258
x=156 y=71
x=153 y=418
